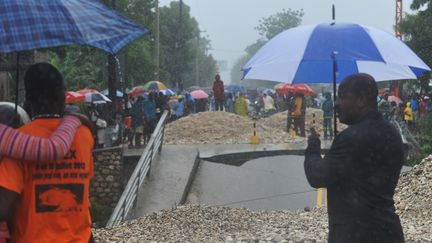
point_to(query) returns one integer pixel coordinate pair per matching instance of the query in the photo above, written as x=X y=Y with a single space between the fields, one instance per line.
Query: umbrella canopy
x=74 y=97
x=154 y=85
x=393 y=98
x=314 y=53
x=93 y=96
x=166 y=92
x=235 y=88
x=33 y=24
x=199 y=94
x=118 y=93
x=295 y=88
x=137 y=91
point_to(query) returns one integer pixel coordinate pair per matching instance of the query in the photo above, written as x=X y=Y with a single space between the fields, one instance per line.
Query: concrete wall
x=106 y=186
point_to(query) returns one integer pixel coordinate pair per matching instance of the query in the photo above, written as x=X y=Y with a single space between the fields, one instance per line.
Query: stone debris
x=413 y=202
x=229 y=128
x=197 y=223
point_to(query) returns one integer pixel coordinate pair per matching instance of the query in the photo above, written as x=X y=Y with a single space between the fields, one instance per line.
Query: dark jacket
x=360 y=172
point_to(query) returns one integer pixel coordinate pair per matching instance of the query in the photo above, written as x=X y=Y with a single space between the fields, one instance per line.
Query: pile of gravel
x=229 y=128
x=195 y=223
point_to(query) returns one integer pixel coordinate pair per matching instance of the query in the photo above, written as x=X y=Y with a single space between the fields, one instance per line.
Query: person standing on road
x=137 y=122
x=218 y=91
x=299 y=114
x=49 y=200
x=384 y=107
x=361 y=169
x=327 y=108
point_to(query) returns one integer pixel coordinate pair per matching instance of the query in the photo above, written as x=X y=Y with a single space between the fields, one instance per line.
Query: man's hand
x=313 y=139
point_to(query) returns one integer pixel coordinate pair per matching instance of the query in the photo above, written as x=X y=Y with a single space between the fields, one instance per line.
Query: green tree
x=271 y=26
x=85 y=67
x=268 y=28
x=179 y=48
x=417 y=30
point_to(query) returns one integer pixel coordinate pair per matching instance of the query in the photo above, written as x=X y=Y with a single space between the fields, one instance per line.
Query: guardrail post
x=151 y=160
x=161 y=140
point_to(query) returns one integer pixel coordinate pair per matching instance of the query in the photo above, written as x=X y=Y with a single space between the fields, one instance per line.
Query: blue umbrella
x=327 y=53
x=33 y=24
x=235 y=88
x=314 y=53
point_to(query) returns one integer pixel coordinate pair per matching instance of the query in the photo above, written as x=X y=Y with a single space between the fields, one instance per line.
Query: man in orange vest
x=49 y=200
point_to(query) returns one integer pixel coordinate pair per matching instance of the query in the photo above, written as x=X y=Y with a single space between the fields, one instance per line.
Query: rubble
x=198 y=223
x=229 y=128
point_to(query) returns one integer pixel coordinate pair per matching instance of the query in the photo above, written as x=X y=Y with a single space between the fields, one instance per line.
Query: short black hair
x=361 y=85
x=43 y=80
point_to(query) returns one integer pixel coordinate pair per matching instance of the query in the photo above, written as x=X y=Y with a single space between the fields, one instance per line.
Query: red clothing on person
x=422 y=108
x=218 y=90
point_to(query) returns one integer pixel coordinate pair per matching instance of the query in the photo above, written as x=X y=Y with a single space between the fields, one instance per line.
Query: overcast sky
x=229 y=24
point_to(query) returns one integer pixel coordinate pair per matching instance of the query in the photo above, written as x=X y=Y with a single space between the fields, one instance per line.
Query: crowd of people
x=409 y=110
x=47 y=165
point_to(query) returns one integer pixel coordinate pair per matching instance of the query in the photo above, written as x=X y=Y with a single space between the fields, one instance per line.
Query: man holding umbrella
x=361 y=169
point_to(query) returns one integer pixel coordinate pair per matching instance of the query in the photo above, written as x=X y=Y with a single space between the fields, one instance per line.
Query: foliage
x=268 y=28
x=181 y=45
x=86 y=67
x=81 y=66
x=271 y=26
x=417 y=30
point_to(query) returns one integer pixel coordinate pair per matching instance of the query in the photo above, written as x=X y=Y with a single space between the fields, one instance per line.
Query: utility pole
x=157 y=49
x=112 y=75
x=179 y=46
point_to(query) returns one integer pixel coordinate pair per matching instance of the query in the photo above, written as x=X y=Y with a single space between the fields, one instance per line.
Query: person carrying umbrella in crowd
x=179 y=107
x=290 y=107
x=422 y=108
x=384 y=107
x=201 y=105
x=268 y=103
x=218 y=92
x=189 y=104
x=150 y=116
x=327 y=108
x=229 y=103
x=241 y=107
x=361 y=169
x=299 y=114
x=160 y=104
x=409 y=116
x=99 y=124
x=415 y=107
x=137 y=122
x=41 y=204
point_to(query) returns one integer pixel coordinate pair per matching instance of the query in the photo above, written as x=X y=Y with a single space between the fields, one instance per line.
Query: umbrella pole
x=17 y=83
x=334 y=93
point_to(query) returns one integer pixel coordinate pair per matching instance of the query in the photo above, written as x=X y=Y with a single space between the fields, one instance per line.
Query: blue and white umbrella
x=314 y=53
x=33 y=24
x=166 y=92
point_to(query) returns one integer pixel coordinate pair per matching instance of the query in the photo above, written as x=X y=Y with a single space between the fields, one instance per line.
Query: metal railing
x=142 y=170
